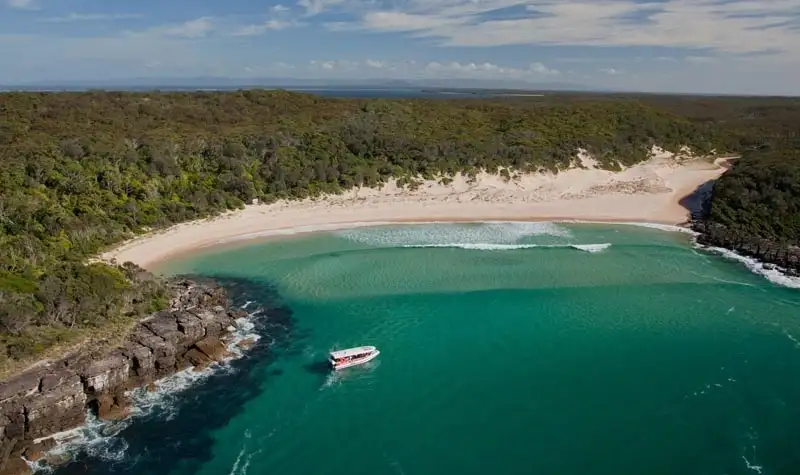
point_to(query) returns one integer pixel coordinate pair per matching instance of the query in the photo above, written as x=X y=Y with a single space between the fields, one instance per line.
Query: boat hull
x=356 y=362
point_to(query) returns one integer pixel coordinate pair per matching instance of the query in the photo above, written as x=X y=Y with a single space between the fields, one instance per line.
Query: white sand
x=648 y=192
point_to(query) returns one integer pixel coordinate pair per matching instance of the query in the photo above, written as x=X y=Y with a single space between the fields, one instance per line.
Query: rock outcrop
x=770 y=252
x=55 y=396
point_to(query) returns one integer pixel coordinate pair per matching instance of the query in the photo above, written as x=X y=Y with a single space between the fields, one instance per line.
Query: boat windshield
x=351 y=357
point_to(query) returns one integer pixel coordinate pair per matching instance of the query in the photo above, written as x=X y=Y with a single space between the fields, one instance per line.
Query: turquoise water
x=504 y=350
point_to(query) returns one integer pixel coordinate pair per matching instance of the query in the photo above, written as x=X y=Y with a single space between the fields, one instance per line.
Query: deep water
x=510 y=348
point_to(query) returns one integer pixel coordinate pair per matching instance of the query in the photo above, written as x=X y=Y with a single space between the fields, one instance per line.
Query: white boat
x=352 y=356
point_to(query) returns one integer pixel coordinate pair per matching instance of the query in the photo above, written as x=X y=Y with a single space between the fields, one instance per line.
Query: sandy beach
x=654 y=191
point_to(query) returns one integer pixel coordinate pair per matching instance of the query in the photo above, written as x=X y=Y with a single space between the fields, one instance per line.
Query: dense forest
x=82 y=171
x=760 y=196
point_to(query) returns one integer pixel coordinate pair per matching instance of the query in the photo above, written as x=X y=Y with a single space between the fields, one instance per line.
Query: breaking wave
x=774 y=274
x=438 y=233
x=592 y=248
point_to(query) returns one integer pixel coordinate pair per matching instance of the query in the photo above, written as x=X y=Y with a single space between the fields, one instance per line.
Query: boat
x=341 y=359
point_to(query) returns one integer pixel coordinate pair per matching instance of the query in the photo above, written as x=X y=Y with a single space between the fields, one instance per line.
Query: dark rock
x=15 y=466
x=56 y=410
x=113 y=407
x=37 y=451
x=54 y=397
x=198 y=359
x=14 y=418
x=164 y=325
x=191 y=327
x=106 y=373
x=54 y=460
x=55 y=379
x=213 y=348
x=143 y=361
x=166 y=365
x=247 y=343
x=23 y=385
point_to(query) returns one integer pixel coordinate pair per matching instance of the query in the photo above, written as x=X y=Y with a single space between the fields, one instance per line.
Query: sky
x=708 y=46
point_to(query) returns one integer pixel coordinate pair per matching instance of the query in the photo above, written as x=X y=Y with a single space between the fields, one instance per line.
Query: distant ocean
x=387 y=93
x=507 y=348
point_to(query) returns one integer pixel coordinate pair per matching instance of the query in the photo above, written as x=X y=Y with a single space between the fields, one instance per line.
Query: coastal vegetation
x=755 y=207
x=760 y=196
x=83 y=171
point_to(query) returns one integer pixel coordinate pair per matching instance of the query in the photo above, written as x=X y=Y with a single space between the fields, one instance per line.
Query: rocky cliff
x=54 y=396
x=770 y=252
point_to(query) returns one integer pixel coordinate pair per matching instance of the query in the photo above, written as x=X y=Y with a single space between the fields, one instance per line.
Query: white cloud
x=733 y=26
x=23 y=4
x=373 y=63
x=280 y=65
x=279 y=19
x=331 y=65
x=90 y=17
x=197 y=28
x=399 y=21
x=611 y=71
x=540 y=68
x=315 y=7
x=699 y=59
x=274 y=24
x=490 y=70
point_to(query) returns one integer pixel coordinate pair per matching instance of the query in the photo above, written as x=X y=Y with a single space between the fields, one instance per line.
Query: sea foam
x=775 y=275
x=437 y=234
x=592 y=248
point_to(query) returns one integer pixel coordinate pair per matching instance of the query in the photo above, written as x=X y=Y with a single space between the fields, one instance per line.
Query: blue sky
x=729 y=46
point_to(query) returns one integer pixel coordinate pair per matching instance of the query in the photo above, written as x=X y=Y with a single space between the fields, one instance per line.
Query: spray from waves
x=99 y=439
x=591 y=248
x=437 y=233
x=774 y=274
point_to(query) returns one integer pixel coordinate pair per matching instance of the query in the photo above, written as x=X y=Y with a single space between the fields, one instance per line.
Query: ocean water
x=507 y=348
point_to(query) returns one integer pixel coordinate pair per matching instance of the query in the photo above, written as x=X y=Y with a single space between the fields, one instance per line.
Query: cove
x=509 y=348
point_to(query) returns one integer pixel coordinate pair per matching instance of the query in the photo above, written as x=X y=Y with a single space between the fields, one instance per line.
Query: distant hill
x=293 y=83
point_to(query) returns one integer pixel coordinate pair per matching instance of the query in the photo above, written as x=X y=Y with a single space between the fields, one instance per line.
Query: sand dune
x=653 y=191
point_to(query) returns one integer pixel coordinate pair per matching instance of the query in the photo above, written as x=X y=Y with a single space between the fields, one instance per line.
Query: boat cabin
x=352 y=356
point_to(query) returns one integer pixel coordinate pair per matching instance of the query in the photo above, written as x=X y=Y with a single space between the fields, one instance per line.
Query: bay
x=508 y=348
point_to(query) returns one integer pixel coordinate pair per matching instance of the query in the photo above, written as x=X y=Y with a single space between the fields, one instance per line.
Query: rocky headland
x=55 y=396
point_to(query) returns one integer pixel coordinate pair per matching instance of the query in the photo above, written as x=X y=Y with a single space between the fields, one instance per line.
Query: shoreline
x=294 y=232
x=660 y=192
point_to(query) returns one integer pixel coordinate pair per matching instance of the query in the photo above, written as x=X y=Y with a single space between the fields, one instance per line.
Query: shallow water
x=512 y=348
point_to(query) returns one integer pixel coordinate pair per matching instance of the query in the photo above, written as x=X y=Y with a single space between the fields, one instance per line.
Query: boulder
x=13 y=420
x=164 y=326
x=191 y=327
x=113 y=406
x=38 y=450
x=106 y=373
x=56 y=410
x=54 y=379
x=21 y=386
x=213 y=348
x=143 y=361
x=247 y=343
x=15 y=466
x=198 y=359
